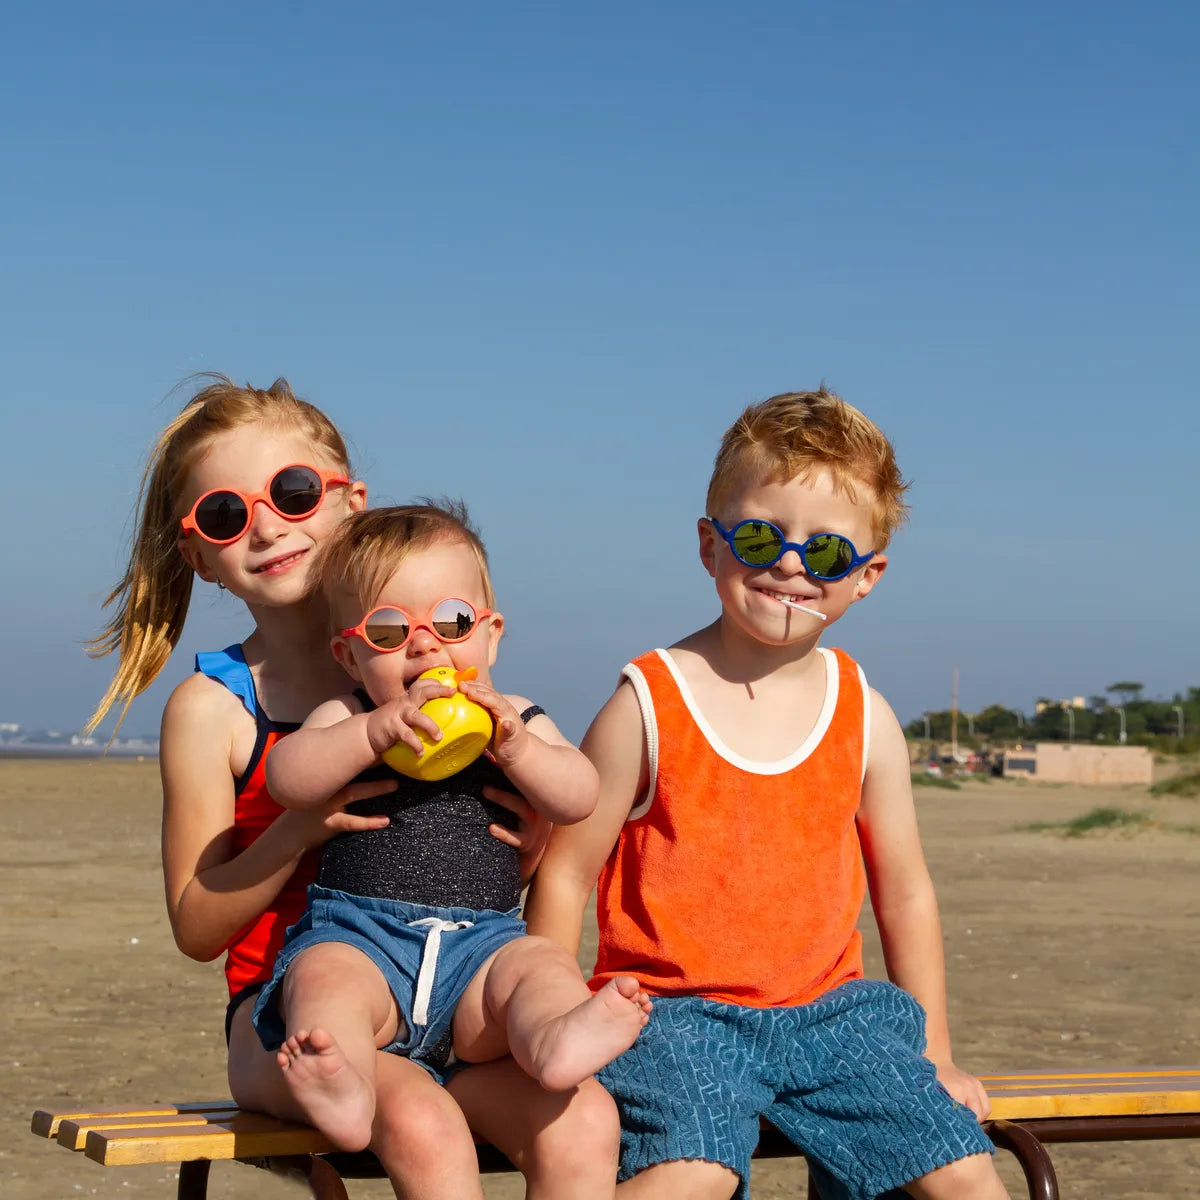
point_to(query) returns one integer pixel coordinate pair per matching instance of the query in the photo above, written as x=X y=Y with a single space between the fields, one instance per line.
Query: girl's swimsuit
x=251 y=954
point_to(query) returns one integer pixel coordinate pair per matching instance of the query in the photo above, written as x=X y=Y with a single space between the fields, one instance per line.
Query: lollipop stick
x=812 y=612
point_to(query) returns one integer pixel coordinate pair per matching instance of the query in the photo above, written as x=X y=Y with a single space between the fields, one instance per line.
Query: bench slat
x=73 y=1133
x=217 y=1129
x=1033 y=1094
x=246 y=1135
x=45 y=1123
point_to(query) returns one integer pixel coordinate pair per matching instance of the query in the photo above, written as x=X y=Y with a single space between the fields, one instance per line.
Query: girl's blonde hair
x=795 y=433
x=359 y=559
x=151 y=600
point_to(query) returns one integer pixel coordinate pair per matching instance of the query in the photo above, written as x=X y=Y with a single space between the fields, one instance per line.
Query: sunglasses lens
x=828 y=555
x=757 y=543
x=296 y=491
x=387 y=628
x=453 y=620
x=221 y=516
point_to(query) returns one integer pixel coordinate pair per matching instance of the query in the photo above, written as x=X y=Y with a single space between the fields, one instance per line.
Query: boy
x=747 y=776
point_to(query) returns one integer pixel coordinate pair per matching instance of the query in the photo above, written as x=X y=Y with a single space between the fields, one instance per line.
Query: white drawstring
x=429 y=957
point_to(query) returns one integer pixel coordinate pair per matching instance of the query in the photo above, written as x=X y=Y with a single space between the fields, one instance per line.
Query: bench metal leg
x=193 y=1179
x=322 y=1178
x=1031 y=1154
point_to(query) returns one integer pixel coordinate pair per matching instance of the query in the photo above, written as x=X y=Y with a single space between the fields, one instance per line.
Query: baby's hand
x=398 y=720
x=510 y=737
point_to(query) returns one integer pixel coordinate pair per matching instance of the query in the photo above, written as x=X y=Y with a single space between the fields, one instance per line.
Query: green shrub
x=1098 y=818
x=1179 y=785
x=925 y=779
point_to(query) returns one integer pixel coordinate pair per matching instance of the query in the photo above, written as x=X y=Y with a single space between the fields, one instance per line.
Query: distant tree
x=997 y=721
x=1126 y=691
x=1097 y=703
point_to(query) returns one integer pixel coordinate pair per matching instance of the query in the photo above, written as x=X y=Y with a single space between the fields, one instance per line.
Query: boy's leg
x=339 y=1011
x=689 y=1094
x=854 y=1091
x=971 y=1178
x=529 y=998
x=688 y=1179
x=564 y=1143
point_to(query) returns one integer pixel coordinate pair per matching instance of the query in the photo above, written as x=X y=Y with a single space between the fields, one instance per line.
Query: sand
x=1061 y=952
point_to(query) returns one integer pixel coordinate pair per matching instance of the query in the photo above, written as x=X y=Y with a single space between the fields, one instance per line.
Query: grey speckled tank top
x=436 y=850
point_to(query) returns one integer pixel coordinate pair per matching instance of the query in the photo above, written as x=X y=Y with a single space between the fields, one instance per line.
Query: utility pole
x=954 y=719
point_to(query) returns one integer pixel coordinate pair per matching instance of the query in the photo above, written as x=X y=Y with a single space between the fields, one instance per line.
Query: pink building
x=1072 y=762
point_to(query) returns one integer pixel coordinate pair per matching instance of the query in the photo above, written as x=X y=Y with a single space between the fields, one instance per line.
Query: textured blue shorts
x=426 y=955
x=844 y=1078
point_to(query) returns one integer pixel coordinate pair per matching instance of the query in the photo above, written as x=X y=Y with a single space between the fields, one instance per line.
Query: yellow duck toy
x=466 y=730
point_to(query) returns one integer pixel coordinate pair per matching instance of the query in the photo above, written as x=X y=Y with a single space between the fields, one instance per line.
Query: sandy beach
x=1062 y=952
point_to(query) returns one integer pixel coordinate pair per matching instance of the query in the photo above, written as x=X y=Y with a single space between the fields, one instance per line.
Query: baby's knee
x=531 y=958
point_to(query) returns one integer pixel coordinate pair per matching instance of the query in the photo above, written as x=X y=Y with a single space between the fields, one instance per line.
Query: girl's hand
x=398 y=720
x=315 y=826
x=510 y=737
x=531 y=835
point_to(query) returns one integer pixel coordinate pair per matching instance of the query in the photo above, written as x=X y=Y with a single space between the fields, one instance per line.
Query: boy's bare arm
x=903 y=897
x=559 y=894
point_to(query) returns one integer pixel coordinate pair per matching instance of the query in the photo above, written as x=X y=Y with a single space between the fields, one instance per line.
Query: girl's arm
x=211 y=892
x=554 y=776
x=902 y=895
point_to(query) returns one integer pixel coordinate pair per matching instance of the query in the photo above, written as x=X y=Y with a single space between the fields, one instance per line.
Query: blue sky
x=540 y=256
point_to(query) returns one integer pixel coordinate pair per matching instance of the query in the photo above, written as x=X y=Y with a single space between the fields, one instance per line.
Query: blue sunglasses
x=826 y=556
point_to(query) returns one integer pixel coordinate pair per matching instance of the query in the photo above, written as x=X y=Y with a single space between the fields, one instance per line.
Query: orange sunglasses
x=388 y=628
x=295 y=492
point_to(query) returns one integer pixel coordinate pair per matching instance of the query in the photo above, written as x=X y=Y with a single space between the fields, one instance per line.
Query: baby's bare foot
x=576 y=1045
x=331 y=1093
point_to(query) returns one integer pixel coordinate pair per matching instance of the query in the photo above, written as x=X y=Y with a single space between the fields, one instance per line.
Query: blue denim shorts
x=427 y=957
x=843 y=1078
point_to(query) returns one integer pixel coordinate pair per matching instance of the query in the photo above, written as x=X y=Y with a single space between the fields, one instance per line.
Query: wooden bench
x=1029 y=1109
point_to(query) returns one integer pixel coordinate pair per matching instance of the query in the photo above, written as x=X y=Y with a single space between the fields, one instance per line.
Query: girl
x=242 y=489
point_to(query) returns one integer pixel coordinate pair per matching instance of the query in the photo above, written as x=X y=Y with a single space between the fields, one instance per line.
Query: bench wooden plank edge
x=45 y=1123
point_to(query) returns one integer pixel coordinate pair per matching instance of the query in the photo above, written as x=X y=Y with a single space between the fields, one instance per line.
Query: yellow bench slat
x=73 y=1133
x=1029 y=1095
x=45 y=1123
x=246 y=1135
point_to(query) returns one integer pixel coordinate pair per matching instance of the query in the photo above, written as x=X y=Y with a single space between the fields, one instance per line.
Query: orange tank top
x=735 y=880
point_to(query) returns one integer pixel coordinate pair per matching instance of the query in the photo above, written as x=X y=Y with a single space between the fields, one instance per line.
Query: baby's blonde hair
x=151 y=600
x=795 y=433
x=364 y=553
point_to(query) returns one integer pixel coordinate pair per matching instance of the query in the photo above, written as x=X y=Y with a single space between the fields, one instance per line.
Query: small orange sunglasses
x=294 y=492
x=388 y=628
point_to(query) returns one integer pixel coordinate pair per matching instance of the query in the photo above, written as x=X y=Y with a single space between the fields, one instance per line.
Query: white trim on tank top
x=794 y=759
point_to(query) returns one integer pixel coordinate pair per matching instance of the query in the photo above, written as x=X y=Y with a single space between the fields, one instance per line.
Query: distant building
x=1073 y=702
x=1073 y=762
